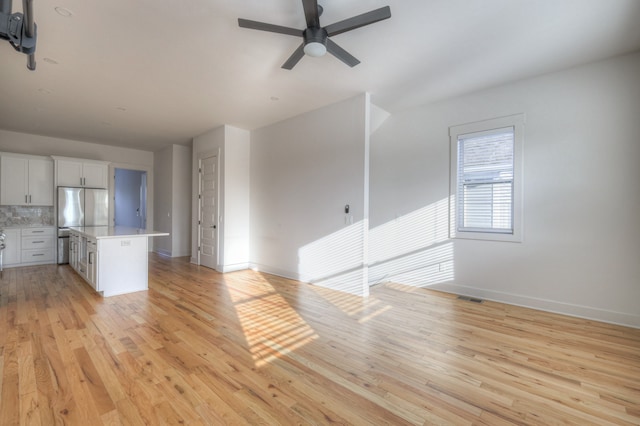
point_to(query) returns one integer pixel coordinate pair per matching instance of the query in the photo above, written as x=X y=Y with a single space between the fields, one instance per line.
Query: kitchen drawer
x=38 y=256
x=35 y=232
x=29 y=243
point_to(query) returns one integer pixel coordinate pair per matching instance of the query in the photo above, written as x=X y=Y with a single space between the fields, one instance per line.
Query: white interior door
x=208 y=211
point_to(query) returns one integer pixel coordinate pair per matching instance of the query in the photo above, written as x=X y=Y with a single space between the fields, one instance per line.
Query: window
x=485 y=179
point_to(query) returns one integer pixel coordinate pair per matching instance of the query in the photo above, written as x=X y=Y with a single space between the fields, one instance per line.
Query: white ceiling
x=147 y=73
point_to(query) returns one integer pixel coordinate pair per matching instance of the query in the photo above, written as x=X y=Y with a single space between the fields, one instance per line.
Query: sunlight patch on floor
x=360 y=308
x=272 y=328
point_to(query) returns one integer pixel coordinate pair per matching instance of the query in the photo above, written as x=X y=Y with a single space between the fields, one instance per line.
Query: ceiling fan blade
x=294 y=58
x=263 y=26
x=311 y=13
x=341 y=54
x=359 y=21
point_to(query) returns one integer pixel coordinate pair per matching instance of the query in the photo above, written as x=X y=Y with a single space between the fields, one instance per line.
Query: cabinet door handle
x=37 y=242
x=37 y=232
x=25 y=199
x=90 y=261
x=29 y=199
x=37 y=254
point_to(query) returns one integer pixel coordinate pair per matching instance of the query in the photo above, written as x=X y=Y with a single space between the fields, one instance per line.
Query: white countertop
x=99 y=232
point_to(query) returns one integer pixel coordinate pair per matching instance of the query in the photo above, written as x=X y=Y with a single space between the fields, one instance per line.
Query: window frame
x=516 y=122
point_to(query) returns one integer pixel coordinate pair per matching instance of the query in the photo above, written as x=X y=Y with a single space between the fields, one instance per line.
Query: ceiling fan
x=316 y=41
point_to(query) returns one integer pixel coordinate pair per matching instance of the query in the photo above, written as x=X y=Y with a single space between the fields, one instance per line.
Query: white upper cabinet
x=68 y=173
x=41 y=182
x=96 y=175
x=26 y=180
x=14 y=180
x=83 y=173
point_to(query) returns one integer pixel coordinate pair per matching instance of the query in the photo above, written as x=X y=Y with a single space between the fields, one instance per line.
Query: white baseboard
x=349 y=282
x=233 y=268
x=275 y=271
x=586 y=312
x=163 y=252
x=167 y=253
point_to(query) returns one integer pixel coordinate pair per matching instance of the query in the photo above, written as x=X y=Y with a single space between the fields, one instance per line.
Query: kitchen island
x=113 y=260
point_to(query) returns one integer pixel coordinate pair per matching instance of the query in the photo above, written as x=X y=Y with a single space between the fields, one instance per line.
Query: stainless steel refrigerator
x=79 y=207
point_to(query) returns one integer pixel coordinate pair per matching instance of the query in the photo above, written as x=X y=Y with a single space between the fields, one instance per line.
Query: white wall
x=581 y=200
x=173 y=200
x=163 y=171
x=43 y=145
x=303 y=172
x=181 y=201
x=236 y=198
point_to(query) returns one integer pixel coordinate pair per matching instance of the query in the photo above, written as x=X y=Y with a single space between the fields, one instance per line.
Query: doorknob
x=213 y=226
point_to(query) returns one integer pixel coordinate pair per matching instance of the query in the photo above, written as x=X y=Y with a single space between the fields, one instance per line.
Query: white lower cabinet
x=11 y=253
x=83 y=257
x=29 y=246
x=92 y=263
x=113 y=260
x=73 y=250
x=38 y=246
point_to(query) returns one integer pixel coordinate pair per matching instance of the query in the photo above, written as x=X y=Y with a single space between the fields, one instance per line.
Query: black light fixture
x=19 y=29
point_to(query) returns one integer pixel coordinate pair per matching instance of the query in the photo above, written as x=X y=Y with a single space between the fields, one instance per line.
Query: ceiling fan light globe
x=315 y=49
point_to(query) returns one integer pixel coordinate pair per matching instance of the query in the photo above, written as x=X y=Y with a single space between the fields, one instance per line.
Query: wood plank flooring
x=202 y=348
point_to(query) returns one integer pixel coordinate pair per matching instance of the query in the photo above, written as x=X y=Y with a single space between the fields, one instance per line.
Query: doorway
x=130 y=198
x=208 y=220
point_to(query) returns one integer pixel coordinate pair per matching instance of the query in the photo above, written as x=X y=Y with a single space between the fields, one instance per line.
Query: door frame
x=219 y=226
x=112 y=193
x=142 y=209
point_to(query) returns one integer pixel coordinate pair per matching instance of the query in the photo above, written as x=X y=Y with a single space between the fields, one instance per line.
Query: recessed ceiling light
x=274 y=98
x=50 y=61
x=121 y=108
x=63 y=12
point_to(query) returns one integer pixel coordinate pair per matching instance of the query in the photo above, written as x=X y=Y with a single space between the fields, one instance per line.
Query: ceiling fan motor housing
x=315 y=35
x=315 y=41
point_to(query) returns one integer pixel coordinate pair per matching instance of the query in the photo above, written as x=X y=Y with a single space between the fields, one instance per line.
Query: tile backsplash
x=26 y=216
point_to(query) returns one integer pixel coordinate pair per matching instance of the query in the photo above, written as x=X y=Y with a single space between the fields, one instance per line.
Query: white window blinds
x=485 y=181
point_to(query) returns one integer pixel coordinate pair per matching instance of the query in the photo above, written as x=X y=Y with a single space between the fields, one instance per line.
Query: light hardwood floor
x=248 y=348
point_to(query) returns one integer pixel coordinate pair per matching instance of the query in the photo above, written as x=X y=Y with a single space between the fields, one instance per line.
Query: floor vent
x=470 y=299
